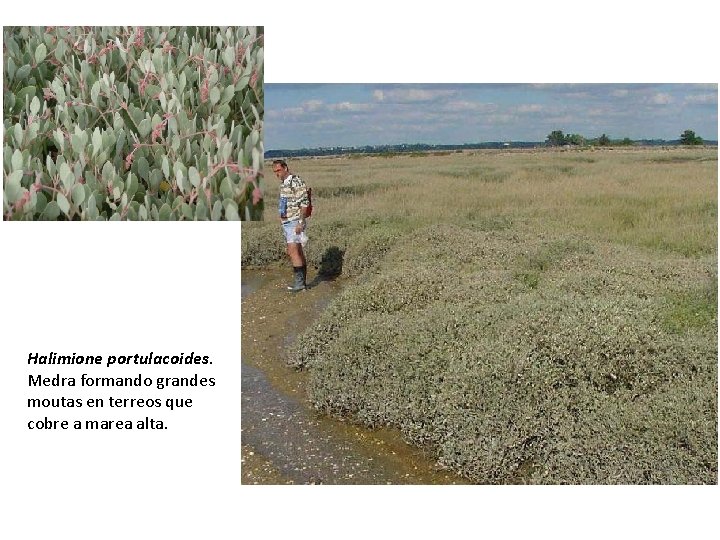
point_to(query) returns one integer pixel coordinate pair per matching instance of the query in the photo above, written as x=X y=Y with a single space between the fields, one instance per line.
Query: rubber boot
x=299 y=284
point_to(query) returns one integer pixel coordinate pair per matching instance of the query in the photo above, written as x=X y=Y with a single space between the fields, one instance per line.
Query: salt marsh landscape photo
x=506 y=284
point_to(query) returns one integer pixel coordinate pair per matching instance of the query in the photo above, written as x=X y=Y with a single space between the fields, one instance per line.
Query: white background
x=121 y=288
x=175 y=287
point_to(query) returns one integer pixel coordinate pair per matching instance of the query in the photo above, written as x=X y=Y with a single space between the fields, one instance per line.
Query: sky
x=326 y=115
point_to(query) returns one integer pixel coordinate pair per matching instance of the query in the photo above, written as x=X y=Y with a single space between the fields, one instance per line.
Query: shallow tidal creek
x=284 y=440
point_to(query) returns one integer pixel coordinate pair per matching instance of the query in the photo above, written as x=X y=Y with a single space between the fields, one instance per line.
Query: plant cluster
x=575 y=379
x=137 y=123
x=688 y=137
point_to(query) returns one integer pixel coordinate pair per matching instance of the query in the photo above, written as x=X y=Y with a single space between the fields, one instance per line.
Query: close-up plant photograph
x=132 y=123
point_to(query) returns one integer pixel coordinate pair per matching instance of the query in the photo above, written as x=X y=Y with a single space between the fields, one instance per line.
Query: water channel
x=284 y=441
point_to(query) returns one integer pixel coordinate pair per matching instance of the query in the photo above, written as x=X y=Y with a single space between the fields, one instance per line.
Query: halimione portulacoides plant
x=132 y=123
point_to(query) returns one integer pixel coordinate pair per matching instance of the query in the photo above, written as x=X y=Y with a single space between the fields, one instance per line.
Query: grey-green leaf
x=216 y=213
x=96 y=141
x=95 y=92
x=34 y=105
x=78 y=145
x=22 y=72
x=194 y=176
x=165 y=212
x=59 y=138
x=66 y=176
x=179 y=178
x=144 y=128
x=143 y=168
x=214 y=95
x=52 y=211
x=40 y=53
x=229 y=56
x=226 y=189
x=18 y=134
x=92 y=212
x=63 y=203
x=186 y=211
x=17 y=161
x=57 y=87
x=12 y=186
x=228 y=94
x=78 y=194
x=231 y=212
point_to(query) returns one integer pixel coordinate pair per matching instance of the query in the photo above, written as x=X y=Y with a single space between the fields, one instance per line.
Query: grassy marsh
x=538 y=317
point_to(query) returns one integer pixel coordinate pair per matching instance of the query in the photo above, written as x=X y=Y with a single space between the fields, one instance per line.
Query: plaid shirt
x=293 y=196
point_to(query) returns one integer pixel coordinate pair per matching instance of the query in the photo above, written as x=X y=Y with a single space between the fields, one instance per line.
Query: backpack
x=309 y=210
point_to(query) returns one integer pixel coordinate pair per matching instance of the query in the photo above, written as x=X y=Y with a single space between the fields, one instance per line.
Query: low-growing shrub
x=478 y=173
x=346 y=191
x=691 y=309
x=577 y=381
x=369 y=250
x=531 y=266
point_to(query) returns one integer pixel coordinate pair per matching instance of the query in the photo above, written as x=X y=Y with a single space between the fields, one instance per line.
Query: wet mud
x=284 y=440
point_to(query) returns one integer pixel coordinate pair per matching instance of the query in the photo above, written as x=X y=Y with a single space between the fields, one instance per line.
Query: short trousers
x=290 y=236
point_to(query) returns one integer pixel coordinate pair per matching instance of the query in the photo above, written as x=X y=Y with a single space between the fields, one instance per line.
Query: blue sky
x=321 y=115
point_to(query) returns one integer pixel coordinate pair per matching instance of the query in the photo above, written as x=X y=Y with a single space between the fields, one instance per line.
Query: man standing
x=293 y=206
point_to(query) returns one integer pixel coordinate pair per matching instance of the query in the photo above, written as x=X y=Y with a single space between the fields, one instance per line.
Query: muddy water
x=284 y=441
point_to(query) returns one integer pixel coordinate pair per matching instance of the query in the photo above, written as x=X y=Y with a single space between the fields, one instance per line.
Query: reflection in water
x=251 y=282
x=286 y=434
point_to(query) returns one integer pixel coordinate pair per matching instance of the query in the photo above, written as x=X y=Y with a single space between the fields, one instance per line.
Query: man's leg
x=295 y=252
x=297 y=258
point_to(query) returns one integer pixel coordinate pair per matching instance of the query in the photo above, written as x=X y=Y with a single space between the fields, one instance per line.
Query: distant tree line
x=558 y=138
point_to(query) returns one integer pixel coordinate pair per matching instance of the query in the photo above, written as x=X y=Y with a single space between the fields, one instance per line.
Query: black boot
x=299 y=284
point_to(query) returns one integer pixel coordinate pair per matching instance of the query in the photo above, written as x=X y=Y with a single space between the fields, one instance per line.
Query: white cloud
x=561 y=119
x=702 y=99
x=411 y=95
x=288 y=111
x=328 y=122
x=597 y=111
x=529 y=108
x=312 y=105
x=501 y=118
x=660 y=98
x=346 y=106
x=578 y=95
x=469 y=106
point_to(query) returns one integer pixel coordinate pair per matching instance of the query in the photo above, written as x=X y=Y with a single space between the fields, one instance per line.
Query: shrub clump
x=261 y=244
x=576 y=380
x=334 y=248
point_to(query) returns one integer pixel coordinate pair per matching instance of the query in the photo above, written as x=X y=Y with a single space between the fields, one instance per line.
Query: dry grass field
x=527 y=316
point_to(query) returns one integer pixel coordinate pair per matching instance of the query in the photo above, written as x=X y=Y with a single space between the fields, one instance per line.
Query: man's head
x=280 y=169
